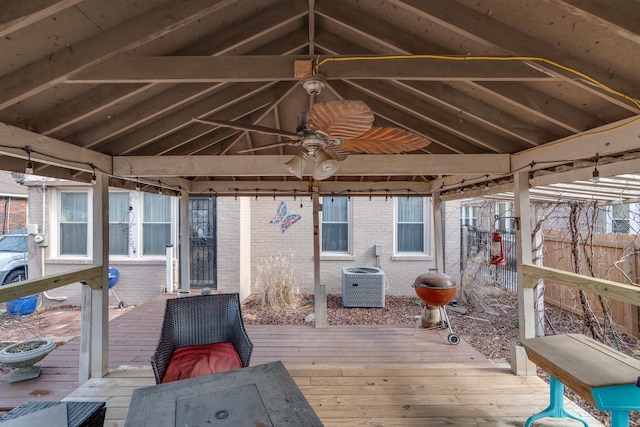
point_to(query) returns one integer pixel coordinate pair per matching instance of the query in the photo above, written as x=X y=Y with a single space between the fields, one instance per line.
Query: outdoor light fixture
x=28 y=168
x=137 y=185
x=313 y=84
x=94 y=178
x=595 y=176
x=497 y=250
x=325 y=166
x=296 y=165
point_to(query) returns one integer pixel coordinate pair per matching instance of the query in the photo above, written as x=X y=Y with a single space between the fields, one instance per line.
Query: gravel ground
x=489 y=324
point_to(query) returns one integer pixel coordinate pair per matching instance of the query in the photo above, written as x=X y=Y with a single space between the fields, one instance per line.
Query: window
x=119 y=223
x=74 y=223
x=469 y=216
x=411 y=225
x=140 y=224
x=504 y=212
x=620 y=219
x=335 y=224
x=156 y=224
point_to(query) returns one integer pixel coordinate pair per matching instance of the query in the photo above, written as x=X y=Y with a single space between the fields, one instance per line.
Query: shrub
x=276 y=283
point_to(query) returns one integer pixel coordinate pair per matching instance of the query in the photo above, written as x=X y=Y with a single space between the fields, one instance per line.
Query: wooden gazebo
x=502 y=90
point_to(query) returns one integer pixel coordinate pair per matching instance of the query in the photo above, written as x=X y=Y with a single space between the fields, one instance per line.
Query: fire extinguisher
x=497 y=251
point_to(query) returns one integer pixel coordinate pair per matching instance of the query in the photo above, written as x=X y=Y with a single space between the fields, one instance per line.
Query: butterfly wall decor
x=283 y=218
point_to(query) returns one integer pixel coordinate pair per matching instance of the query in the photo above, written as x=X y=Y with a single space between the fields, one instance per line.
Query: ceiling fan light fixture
x=313 y=84
x=296 y=165
x=325 y=166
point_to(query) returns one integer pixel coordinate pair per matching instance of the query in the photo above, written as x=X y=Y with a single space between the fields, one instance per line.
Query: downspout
x=42 y=248
x=7 y=211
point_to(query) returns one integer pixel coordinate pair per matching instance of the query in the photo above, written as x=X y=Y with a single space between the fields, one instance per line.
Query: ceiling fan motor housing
x=313 y=85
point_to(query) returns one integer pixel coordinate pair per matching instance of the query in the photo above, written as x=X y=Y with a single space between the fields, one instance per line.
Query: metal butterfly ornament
x=285 y=220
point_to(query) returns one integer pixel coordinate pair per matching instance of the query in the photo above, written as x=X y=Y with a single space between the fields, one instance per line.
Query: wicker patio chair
x=200 y=320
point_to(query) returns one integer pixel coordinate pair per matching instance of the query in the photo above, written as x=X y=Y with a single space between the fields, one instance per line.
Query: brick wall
x=228 y=228
x=139 y=282
x=247 y=239
x=373 y=224
x=13 y=213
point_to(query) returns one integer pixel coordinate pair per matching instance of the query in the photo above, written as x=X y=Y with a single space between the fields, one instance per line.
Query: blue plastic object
x=619 y=399
x=556 y=407
x=114 y=276
x=22 y=306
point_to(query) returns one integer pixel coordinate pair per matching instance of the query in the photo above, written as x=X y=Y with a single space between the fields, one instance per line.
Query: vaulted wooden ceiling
x=495 y=85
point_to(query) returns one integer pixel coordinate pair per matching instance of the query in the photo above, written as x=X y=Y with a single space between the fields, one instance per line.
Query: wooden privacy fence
x=612 y=257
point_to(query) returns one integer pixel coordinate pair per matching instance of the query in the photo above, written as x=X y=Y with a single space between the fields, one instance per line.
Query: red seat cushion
x=199 y=360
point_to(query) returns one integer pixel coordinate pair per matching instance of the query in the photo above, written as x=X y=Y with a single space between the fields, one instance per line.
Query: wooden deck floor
x=464 y=395
x=351 y=375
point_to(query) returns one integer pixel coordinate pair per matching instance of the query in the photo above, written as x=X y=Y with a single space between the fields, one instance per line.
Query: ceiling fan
x=329 y=131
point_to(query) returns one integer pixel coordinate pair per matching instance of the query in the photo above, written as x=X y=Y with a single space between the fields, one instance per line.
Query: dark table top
x=263 y=395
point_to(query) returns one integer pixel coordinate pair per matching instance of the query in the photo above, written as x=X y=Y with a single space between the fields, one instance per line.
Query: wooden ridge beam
x=198 y=69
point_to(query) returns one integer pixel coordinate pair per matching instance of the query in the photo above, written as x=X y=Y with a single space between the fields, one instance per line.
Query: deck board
x=361 y=375
x=480 y=395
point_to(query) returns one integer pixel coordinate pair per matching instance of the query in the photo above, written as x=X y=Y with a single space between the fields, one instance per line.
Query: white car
x=13 y=256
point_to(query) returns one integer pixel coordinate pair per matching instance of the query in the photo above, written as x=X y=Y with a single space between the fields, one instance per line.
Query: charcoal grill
x=437 y=290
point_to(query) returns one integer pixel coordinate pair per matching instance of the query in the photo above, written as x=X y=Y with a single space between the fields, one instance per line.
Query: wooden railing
x=91 y=275
x=606 y=288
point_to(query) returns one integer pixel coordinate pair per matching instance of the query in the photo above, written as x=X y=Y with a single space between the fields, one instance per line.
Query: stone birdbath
x=24 y=356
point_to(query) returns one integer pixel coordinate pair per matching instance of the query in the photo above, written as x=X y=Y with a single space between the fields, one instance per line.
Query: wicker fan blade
x=341 y=119
x=265 y=147
x=248 y=127
x=384 y=141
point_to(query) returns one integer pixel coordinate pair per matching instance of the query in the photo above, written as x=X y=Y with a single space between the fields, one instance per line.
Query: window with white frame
x=119 y=228
x=469 y=216
x=620 y=219
x=74 y=223
x=156 y=224
x=411 y=225
x=136 y=220
x=504 y=211
x=335 y=225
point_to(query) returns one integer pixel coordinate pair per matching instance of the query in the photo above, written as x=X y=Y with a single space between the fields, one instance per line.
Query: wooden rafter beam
x=197 y=69
x=481 y=27
x=56 y=68
x=50 y=151
x=270 y=165
x=18 y=14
